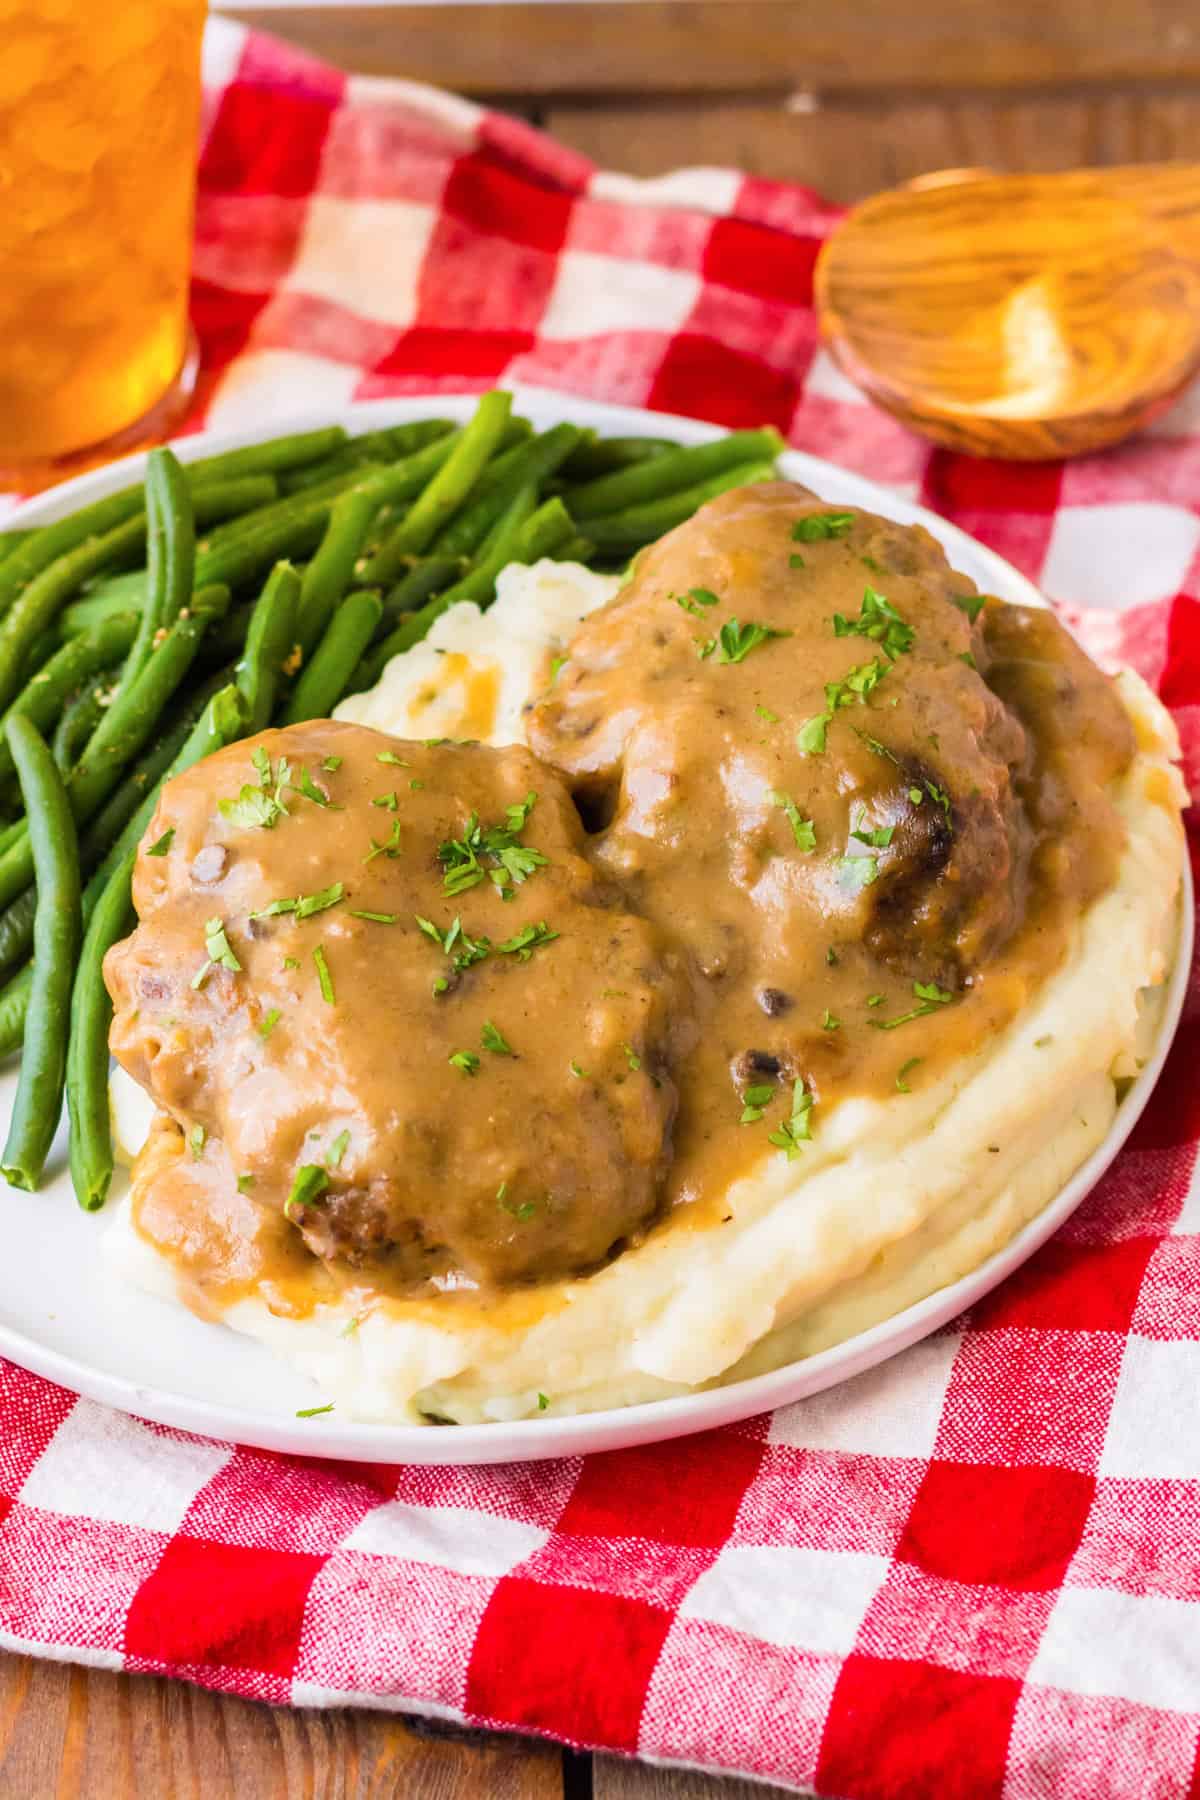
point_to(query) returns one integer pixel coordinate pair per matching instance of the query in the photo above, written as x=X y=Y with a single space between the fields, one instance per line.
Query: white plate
x=59 y=1317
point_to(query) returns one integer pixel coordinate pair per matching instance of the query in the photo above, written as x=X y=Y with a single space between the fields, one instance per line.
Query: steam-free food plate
x=63 y=1316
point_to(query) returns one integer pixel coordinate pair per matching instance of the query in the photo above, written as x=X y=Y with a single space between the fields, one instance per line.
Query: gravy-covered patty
x=786 y=730
x=381 y=992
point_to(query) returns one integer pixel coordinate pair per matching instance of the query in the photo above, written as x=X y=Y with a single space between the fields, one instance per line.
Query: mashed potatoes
x=893 y=1199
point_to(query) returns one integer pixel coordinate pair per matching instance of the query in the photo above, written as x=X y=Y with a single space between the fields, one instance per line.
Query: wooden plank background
x=845 y=98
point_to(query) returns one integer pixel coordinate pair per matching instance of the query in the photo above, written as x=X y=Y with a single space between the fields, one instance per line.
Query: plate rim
x=680 y=1415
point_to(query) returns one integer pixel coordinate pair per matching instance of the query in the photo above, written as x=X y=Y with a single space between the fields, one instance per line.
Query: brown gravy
x=823 y=859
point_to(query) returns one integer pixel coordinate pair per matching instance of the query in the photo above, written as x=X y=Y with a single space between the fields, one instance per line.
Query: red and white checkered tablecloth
x=972 y=1572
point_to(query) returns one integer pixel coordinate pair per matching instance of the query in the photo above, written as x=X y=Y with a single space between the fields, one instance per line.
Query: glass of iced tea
x=99 y=116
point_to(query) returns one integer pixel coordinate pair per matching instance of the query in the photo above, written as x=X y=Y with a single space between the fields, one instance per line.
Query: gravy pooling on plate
x=836 y=820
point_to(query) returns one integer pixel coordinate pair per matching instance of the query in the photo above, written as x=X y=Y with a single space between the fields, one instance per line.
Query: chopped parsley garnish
x=575 y=1069
x=219 y=951
x=876 y=999
x=915 y=795
x=268 y=1022
x=829 y=1022
x=1040 y=1043
x=902 y=1086
x=939 y=796
x=314 y=1412
x=331 y=765
x=163 y=844
x=964 y=656
x=337 y=1150
x=543 y=1403
x=303 y=905
x=260 y=806
x=462 y=950
x=289 y=962
x=831 y=957
x=196 y=1137
x=466 y=1060
x=765 y=713
x=811 y=736
x=557 y=665
x=930 y=997
x=798 y=1128
x=394 y=761
x=803 y=829
x=494 y=1040
x=308 y=1184
x=879 y=621
x=376 y=918
x=971 y=604
x=323 y=975
x=854 y=873
x=696 y=600
x=816 y=526
x=755 y=1101
x=879 y=838
x=388 y=800
x=523 y=944
x=389 y=847
x=245 y=1182
x=318 y=795
x=854 y=687
x=796 y=561
x=522 y=1210
x=632 y=1057
x=735 y=641
x=415 y=785
x=491 y=850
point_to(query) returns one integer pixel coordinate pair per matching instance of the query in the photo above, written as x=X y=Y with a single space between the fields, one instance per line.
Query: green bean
x=329 y=574
x=12 y=540
x=424 y=578
x=56 y=934
x=274 y=454
x=478 y=584
x=373 y=446
x=639 y=525
x=576 y=549
x=39 y=654
x=16 y=920
x=52 y=544
x=90 y=1008
x=77 y=721
x=14 y=1006
x=219 y=724
x=213 y=502
x=125 y=728
x=533 y=461
x=269 y=643
x=69 y=668
x=323 y=681
x=90 y=1148
x=601 y=456
x=38 y=604
x=114 y=594
x=170 y=554
x=674 y=472
x=449 y=488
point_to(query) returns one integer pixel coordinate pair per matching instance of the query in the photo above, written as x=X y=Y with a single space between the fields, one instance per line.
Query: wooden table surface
x=847 y=99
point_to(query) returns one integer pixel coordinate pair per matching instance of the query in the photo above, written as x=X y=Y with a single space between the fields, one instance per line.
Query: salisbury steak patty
x=379 y=984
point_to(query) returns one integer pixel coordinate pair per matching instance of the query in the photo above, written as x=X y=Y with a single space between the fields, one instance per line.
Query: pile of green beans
x=252 y=588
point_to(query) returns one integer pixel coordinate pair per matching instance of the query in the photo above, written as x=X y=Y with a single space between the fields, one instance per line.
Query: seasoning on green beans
x=57 y=932
x=323 y=681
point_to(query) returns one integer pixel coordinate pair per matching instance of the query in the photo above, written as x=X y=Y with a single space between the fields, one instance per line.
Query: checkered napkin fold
x=974 y=1571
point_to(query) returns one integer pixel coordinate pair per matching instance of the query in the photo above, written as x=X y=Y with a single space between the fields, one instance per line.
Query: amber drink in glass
x=99 y=115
